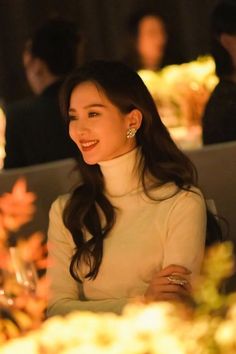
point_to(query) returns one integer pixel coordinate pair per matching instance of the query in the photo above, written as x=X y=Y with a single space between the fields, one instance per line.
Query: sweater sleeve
x=65 y=292
x=186 y=231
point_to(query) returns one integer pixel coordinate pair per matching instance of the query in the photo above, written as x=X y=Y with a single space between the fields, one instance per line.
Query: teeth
x=90 y=143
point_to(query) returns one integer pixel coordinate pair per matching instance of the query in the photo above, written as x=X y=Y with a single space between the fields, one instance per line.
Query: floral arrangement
x=22 y=294
x=206 y=325
x=181 y=91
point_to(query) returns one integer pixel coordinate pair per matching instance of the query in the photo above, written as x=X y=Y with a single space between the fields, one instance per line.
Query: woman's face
x=151 y=40
x=97 y=126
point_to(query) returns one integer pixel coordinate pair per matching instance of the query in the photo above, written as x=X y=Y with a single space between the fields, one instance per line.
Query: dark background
x=103 y=25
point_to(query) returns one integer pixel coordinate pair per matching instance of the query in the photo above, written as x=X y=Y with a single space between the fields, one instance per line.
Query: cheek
x=118 y=128
x=72 y=132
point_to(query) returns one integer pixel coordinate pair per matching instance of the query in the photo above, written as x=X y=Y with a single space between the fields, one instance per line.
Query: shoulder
x=57 y=231
x=56 y=224
x=188 y=197
x=33 y=105
x=184 y=212
x=20 y=105
x=59 y=204
x=187 y=204
x=175 y=201
x=19 y=109
x=169 y=191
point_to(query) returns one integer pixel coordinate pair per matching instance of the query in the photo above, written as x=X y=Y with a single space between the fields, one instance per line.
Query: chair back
x=216 y=166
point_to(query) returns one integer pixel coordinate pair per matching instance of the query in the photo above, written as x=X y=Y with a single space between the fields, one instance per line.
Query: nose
x=78 y=128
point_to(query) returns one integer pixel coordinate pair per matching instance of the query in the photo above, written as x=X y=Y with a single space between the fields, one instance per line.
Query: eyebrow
x=92 y=105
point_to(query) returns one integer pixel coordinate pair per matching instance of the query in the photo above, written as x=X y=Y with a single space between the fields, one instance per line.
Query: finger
x=159 y=286
x=164 y=280
x=169 y=288
x=185 y=277
x=153 y=292
x=173 y=268
x=165 y=296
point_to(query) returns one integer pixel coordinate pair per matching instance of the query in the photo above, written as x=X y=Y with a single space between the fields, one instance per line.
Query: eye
x=93 y=114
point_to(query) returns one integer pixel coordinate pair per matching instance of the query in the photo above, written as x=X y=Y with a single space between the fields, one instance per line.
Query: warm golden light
x=181 y=92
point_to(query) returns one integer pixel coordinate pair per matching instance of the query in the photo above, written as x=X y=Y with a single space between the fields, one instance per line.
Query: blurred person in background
x=35 y=130
x=146 y=40
x=219 y=118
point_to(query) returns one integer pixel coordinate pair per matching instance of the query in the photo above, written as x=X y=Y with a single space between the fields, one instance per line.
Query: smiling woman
x=99 y=137
x=136 y=226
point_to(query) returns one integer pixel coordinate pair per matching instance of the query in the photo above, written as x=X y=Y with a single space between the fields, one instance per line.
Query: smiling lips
x=88 y=144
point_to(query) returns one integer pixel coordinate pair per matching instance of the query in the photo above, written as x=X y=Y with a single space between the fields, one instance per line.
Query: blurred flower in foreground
x=23 y=294
x=205 y=327
x=218 y=265
x=16 y=208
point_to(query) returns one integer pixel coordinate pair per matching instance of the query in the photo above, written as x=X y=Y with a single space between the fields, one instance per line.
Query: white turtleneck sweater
x=147 y=236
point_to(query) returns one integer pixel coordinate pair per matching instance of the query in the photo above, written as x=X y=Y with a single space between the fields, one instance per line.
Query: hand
x=163 y=287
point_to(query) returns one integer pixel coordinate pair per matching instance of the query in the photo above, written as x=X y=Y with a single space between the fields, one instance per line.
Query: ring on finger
x=173 y=279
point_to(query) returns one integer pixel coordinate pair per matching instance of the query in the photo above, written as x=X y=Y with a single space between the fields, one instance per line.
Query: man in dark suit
x=35 y=129
x=219 y=118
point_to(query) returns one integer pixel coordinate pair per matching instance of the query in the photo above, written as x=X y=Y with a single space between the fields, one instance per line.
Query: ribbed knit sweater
x=147 y=236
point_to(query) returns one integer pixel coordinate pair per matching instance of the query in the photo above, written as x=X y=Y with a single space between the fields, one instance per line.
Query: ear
x=135 y=119
x=226 y=41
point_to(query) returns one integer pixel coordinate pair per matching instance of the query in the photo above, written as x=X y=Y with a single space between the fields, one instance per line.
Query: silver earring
x=131 y=133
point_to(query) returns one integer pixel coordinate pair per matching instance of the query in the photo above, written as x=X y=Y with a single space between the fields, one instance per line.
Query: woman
x=146 y=40
x=136 y=225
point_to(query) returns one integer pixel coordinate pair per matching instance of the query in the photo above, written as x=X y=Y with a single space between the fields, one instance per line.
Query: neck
x=121 y=174
x=150 y=64
x=46 y=81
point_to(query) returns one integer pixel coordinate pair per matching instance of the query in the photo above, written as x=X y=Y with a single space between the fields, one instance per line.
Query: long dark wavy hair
x=160 y=157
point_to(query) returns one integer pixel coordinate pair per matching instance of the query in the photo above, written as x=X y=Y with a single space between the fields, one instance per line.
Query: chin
x=90 y=161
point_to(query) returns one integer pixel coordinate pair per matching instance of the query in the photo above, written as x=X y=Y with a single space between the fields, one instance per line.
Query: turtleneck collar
x=120 y=174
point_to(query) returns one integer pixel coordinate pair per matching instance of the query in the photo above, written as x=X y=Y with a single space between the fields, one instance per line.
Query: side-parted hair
x=59 y=43
x=160 y=157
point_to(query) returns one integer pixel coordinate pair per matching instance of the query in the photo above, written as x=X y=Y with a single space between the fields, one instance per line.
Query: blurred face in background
x=34 y=68
x=151 y=41
x=28 y=63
